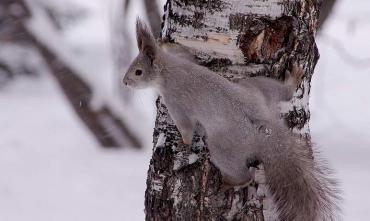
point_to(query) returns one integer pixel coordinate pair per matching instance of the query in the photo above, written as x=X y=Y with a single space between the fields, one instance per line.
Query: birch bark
x=236 y=39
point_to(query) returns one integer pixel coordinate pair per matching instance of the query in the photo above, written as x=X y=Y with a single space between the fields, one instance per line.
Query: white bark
x=235 y=38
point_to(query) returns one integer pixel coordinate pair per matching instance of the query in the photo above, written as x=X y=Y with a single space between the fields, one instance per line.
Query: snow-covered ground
x=340 y=103
x=52 y=170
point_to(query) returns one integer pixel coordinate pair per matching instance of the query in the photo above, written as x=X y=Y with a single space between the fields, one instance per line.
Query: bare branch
x=326 y=9
x=347 y=57
x=107 y=128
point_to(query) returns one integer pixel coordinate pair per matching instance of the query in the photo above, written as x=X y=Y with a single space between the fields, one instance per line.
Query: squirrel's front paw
x=187 y=140
x=181 y=145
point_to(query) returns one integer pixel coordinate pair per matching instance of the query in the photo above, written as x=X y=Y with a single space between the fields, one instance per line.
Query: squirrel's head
x=143 y=71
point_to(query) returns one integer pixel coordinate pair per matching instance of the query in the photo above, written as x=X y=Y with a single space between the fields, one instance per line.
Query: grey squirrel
x=241 y=126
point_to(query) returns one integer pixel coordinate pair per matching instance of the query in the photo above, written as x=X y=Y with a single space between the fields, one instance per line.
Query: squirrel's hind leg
x=231 y=162
x=228 y=182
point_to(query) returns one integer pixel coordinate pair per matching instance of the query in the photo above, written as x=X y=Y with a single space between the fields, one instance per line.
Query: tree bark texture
x=236 y=39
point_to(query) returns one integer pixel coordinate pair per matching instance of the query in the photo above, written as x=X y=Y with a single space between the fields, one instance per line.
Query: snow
x=87 y=50
x=13 y=55
x=52 y=169
x=235 y=205
x=340 y=110
x=340 y=105
x=161 y=140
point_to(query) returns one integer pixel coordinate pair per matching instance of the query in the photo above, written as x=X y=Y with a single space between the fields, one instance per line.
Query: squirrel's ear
x=145 y=40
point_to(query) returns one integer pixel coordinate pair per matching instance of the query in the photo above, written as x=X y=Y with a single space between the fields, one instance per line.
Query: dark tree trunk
x=326 y=9
x=12 y=34
x=235 y=39
x=154 y=17
x=107 y=128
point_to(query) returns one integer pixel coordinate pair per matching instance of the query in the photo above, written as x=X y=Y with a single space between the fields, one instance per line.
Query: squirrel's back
x=210 y=96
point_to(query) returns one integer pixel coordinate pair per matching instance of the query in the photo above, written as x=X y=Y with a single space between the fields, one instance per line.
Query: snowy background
x=51 y=168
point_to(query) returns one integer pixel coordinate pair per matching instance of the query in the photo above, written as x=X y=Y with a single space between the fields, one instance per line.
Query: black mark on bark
x=261 y=39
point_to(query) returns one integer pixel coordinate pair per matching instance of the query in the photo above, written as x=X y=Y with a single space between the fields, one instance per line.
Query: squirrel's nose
x=125 y=81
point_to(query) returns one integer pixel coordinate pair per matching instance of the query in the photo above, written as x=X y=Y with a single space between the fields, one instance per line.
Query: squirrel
x=241 y=127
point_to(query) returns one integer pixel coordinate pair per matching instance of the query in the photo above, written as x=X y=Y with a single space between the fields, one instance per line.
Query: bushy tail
x=299 y=181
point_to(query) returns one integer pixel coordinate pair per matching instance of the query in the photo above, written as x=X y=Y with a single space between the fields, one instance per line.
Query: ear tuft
x=145 y=40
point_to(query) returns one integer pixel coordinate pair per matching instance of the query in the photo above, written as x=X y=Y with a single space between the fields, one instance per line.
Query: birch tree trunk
x=236 y=39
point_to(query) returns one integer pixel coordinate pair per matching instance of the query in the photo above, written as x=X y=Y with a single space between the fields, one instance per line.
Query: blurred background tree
x=19 y=38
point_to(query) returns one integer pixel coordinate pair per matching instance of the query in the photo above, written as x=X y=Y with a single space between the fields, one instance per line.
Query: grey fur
x=241 y=126
x=178 y=50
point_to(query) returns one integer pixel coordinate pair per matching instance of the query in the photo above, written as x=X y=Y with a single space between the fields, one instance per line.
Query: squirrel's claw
x=182 y=144
x=186 y=142
x=187 y=138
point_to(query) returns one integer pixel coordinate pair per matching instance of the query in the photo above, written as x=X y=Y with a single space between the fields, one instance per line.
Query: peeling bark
x=236 y=39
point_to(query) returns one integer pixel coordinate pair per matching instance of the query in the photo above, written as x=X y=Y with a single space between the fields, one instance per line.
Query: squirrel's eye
x=138 y=72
